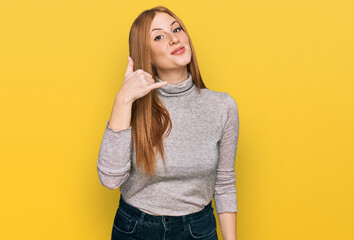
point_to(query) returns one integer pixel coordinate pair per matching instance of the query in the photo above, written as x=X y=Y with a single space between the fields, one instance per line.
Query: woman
x=170 y=143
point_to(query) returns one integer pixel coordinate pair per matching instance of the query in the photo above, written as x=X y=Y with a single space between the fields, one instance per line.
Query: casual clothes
x=199 y=152
x=131 y=224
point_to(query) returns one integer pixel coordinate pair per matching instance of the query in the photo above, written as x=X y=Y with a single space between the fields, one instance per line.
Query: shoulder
x=220 y=99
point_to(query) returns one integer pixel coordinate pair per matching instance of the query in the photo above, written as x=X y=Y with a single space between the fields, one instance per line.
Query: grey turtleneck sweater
x=199 y=153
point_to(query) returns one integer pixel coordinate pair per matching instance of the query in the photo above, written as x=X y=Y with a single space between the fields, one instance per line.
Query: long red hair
x=150 y=121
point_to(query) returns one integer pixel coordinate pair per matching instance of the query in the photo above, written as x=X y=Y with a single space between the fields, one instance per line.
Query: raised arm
x=114 y=158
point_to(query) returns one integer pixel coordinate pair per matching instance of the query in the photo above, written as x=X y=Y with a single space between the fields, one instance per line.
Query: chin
x=186 y=61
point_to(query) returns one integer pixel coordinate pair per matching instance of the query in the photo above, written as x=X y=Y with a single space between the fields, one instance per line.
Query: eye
x=157 y=37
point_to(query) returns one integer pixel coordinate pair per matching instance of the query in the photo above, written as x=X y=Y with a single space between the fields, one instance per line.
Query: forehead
x=162 y=20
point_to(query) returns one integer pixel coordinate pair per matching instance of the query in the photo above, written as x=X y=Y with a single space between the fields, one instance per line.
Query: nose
x=173 y=39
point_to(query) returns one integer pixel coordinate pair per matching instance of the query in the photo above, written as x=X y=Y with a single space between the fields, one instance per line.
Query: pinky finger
x=158 y=85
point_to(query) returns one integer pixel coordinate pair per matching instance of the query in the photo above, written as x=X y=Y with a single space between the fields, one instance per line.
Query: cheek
x=156 y=51
x=159 y=50
x=184 y=39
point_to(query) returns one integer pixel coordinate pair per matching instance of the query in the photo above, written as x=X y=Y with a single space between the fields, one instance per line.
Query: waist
x=136 y=213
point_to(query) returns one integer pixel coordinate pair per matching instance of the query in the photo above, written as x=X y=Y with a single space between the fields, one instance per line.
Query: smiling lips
x=178 y=51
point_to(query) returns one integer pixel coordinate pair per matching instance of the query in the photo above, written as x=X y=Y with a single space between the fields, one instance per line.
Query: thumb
x=130 y=66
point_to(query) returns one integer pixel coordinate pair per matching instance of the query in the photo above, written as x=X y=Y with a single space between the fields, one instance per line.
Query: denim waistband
x=138 y=214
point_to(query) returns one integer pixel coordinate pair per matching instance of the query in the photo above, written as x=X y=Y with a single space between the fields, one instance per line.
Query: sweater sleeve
x=225 y=189
x=114 y=158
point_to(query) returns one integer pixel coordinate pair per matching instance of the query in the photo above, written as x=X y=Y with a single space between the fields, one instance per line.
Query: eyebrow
x=161 y=28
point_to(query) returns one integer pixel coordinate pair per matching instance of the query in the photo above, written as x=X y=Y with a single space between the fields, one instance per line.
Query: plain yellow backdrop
x=288 y=65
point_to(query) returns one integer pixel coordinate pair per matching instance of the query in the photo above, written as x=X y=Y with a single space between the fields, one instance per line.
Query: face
x=166 y=35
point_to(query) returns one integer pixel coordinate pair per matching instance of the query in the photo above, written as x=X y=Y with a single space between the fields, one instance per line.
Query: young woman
x=170 y=143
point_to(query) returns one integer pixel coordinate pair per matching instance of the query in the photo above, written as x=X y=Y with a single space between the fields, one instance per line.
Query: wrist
x=121 y=99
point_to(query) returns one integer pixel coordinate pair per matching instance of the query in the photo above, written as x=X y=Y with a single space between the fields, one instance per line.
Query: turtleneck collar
x=171 y=90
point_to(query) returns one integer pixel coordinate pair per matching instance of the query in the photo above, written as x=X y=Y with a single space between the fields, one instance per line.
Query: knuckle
x=143 y=76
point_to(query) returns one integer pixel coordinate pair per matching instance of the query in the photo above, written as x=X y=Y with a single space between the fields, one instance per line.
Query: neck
x=175 y=90
x=173 y=76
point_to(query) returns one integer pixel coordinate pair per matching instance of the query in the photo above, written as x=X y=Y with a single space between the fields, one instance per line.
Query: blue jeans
x=131 y=223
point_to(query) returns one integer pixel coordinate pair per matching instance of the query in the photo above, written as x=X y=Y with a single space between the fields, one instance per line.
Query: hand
x=137 y=84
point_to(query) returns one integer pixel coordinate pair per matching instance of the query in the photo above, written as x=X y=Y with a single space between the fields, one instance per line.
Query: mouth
x=178 y=51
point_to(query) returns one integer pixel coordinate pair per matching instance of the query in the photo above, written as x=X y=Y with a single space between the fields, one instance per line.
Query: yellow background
x=288 y=65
